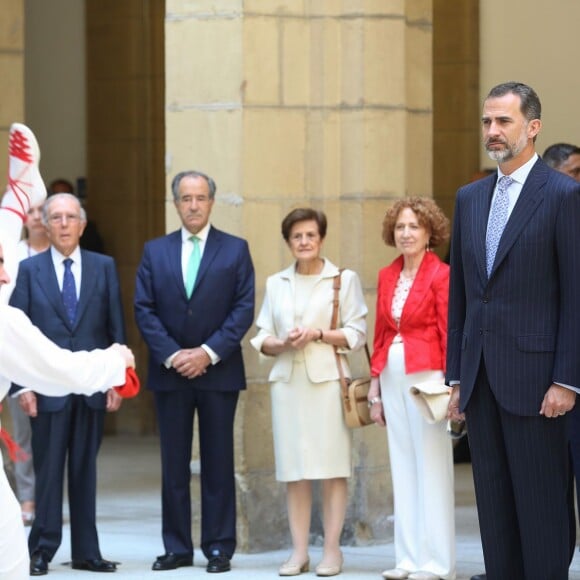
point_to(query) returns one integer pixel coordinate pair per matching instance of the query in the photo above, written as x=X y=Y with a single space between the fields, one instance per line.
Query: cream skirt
x=311 y=440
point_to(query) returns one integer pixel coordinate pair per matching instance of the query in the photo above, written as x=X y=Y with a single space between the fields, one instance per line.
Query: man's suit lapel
x=47 y=281
x=212 y=247
x=529 y=199
x=173 y=258
x=479 y=217
x=88 y=278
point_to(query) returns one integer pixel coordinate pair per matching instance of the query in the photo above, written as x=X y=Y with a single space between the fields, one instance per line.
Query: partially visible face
x=305 y=241
x=194 y=204
x=4 y=278
x=65 y=226
x=34 y=219
x=571 y=166
x=506 y=132
x=411 y=238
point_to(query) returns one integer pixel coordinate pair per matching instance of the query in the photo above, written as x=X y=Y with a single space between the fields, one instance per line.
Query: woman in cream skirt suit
x=311 y=440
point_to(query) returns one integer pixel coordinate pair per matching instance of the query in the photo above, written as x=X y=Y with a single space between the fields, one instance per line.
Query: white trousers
x=14 y=562
x=422 y=472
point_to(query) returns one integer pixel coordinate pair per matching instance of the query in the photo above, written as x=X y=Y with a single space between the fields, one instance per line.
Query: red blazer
x=423 y=320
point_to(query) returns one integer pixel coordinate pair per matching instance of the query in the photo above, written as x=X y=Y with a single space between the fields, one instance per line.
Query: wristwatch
x=374 y=400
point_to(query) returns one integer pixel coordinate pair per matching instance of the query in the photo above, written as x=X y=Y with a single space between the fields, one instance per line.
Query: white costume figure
x=26 y=355
x=25 y=188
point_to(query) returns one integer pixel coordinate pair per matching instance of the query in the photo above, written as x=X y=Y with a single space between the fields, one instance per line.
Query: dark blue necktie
x=69 y=291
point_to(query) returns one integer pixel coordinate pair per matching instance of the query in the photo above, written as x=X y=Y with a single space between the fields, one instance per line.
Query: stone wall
x=288 y=103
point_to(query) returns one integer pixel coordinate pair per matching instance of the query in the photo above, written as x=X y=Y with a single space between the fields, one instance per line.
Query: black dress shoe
x=479 y=577
x=218 y=563
x=94 y=565
x=172 y=561
x=38 y=564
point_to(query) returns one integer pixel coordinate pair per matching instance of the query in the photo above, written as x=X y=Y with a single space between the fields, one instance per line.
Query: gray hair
x=55 y=196
x=530 y=105
x=177 y=180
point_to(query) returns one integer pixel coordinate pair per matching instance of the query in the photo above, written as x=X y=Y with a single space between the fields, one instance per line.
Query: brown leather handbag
x=354 y=392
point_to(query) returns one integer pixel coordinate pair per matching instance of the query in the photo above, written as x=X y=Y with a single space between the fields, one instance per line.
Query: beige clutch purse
x=432 y=399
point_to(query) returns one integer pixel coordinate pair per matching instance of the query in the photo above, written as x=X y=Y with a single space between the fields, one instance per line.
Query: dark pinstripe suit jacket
x=524 y=320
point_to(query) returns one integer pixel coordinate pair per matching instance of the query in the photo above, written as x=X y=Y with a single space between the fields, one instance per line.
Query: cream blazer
x=277 y=317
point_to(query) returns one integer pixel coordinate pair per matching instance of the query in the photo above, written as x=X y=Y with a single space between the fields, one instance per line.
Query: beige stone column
x=301 y=102
x=11 y=74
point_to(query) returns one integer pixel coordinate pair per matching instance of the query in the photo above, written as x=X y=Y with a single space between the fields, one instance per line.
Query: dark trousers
x=521 y=475
x=175 y=413
x=71 y=435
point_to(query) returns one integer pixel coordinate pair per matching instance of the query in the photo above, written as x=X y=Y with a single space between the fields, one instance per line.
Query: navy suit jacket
x=99 y=321
x=218 y=314
x=525 y=319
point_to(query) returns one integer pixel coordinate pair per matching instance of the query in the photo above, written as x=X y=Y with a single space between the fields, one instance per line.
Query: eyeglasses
x=57 y=218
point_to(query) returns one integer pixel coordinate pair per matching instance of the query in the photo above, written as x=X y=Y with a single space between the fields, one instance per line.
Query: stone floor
x=129 y=526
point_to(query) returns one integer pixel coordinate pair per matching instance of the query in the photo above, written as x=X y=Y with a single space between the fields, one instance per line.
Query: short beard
x=511 y=150
x=501 y=156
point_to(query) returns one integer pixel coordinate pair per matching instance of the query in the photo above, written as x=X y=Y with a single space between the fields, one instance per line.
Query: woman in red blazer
x=409 y=347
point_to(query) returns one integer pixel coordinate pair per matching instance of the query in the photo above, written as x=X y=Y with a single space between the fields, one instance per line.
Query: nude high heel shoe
x=330 y=569
x=290 y=569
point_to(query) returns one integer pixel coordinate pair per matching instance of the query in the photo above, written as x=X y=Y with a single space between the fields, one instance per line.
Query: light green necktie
x=192 y=266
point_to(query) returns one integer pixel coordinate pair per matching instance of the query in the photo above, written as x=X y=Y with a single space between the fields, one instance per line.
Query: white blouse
x=400 y=296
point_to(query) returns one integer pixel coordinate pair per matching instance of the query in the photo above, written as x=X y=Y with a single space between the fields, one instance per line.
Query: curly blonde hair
x=429 y=215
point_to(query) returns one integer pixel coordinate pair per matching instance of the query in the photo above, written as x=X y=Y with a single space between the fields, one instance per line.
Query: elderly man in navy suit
x=194 y=302
x=73 y=297
x=514 y=339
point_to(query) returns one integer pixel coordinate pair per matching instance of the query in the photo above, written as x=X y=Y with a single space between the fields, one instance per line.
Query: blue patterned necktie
x=69 y=291
x=192 y=266
x=498 y=217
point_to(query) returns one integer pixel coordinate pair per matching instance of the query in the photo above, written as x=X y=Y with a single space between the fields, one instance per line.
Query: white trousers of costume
x=422 y=472
x=14 y=562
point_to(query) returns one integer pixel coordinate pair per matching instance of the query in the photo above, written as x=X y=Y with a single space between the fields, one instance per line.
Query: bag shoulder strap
x=336 y=285
x=333 y=323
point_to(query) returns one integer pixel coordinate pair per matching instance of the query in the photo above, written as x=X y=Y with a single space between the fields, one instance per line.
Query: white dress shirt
x=519 y=177
x=187 y=247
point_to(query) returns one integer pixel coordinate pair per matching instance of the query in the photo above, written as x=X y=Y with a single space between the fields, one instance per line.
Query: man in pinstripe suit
x=514 y=340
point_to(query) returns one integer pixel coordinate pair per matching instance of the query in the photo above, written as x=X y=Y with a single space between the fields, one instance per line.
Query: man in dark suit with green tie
x=194 y=302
